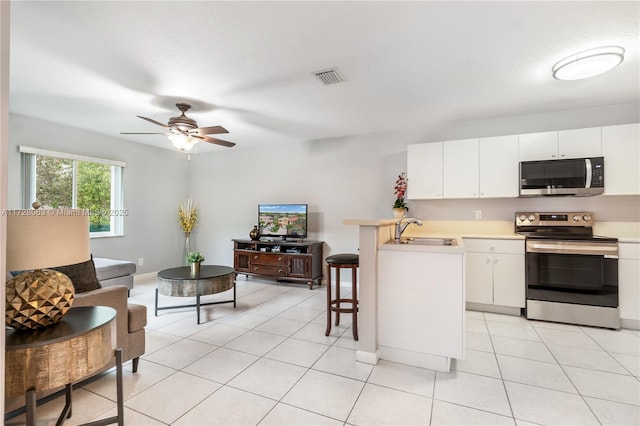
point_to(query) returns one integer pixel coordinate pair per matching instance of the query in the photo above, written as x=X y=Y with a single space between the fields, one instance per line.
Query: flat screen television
x=282 y=220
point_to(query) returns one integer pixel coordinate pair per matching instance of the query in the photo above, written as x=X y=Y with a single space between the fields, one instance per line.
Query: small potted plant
x=400 y=206
x=195 y=258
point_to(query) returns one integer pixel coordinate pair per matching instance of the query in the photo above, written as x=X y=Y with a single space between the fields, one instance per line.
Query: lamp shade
x=39 y=239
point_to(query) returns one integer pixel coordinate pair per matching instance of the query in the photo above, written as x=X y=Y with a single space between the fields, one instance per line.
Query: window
x=60 y=180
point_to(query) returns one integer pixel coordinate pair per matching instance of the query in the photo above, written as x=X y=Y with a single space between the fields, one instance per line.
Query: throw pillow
x=82 y=275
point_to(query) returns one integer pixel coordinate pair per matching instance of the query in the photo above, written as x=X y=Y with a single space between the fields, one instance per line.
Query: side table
x=82 y=344
x=180 y=282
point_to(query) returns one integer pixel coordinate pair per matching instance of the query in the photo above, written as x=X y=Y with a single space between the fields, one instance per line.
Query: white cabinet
x=629 y=283
x=621 y=151
x=575 y=143
x=424 y=171
x=495 y=272
x=499 y=166
x=461 y=168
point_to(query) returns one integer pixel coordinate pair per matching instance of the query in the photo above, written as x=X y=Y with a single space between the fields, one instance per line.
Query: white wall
x=353 y=177
x=155 y=183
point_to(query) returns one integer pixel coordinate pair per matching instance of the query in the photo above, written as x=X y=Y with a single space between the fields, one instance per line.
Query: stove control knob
x=522 y=218
x=586 y=218
x=532 y=217
x=576 y=218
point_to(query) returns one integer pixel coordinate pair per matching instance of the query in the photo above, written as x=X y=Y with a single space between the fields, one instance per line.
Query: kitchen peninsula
x=411 y=298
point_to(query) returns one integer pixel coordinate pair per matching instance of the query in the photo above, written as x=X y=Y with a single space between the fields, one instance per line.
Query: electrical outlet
x=141 y=261
x=478 y=214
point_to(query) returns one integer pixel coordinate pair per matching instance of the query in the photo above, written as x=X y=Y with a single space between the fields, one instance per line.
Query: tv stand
x=284 y=260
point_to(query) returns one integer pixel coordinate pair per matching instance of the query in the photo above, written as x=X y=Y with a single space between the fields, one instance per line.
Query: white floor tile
x=535 y=373
x=298 y=352
x=511 y=319
x=614 y=413
x=471 y=390
x=181 y=353
x=255 y=342
x=447 y=414
x=155 y=340
x=228 y=406
x=567 y=337
x=172 y=397
x=609 y=386
x=399 y=408
x=131 y=417
x=474 y=314
x=186 y=326
x=343 y=362
x=548 y=407
x=326 y=394
x=300 y=314
x=268 y=378
x=618 y=341
x=280 y=326
x=286 y=415
x=518 y=331
x=315 y=333
x=246 y=320
x=221 y=365
x=476 y=325
x=219 y=334
x=522 y=348
x=483 y=363
x=586 y=358
x=403 y=377
x=478 y=341
x=630 y=362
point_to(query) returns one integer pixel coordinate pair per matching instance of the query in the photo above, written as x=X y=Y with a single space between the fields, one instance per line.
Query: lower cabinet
x=283 y=260
x=629 y=284
x=494 y=272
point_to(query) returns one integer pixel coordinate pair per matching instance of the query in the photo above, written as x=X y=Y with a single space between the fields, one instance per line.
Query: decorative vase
x=254 y=234
x=187 y=247
x=195 y=268
x=398 y=212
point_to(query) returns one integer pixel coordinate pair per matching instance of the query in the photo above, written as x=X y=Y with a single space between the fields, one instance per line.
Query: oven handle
x=609 y=251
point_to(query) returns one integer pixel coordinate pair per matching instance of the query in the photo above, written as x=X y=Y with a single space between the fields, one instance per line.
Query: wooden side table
x=180 y=282
x=80 y=345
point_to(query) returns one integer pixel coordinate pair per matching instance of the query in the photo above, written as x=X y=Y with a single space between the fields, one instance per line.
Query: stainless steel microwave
x=572 y=176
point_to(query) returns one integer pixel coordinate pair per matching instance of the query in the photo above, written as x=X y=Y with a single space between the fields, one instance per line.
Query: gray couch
x=112 y=272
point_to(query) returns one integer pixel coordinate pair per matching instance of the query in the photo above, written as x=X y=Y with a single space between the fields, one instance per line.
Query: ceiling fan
x=184 y=132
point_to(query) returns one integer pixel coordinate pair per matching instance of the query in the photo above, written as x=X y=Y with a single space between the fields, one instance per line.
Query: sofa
x=112 y=272
x=131 y=320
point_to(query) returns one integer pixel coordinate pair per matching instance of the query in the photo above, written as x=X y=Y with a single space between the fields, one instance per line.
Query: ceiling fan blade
x=215 y=140
x=211 y=130
x=153 y=121
x=136 y=133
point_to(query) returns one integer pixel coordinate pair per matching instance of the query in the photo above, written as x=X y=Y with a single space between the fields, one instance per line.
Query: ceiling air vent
x=329 y=76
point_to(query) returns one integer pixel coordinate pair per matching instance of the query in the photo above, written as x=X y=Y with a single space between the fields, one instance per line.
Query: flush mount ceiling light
x=588 y=63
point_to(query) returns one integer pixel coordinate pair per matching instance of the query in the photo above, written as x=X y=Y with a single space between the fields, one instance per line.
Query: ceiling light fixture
x=182 y=141
x=588 y=63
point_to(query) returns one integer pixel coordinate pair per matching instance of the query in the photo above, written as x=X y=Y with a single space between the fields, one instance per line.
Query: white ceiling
x=248 y=65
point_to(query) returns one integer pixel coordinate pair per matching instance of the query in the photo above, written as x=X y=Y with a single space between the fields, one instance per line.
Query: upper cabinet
x=461 y=169
x=489 y=167
x=424 y=171
x=576 y=143
x=621 y=151
x=499 y=166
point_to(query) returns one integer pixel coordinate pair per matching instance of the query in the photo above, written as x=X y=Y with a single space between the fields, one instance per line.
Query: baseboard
x=630 y=324
x=145 y=278
x=495 y=309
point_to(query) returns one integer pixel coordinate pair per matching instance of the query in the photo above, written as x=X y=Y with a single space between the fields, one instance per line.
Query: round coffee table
x=180 y=282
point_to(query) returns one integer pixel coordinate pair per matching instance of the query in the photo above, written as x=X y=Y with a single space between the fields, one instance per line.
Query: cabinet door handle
x=255 y=257
x=279 y=271
x=553 y=156
x=280 y=258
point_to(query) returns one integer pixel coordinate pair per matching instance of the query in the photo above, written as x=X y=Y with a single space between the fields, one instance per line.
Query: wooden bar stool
x=340 y=261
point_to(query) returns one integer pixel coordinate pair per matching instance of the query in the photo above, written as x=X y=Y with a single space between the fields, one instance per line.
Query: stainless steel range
x=571 y=274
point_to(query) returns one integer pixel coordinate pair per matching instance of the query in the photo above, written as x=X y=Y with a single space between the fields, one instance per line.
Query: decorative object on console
x=400 y=206
x=38 y=239
x=188 y=219
x=194 y=260
x=254 y=234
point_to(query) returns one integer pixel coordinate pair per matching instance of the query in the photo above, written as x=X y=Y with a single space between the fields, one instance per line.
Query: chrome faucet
x=402 y=224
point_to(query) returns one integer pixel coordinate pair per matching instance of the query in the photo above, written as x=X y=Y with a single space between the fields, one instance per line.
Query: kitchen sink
x=425 y=241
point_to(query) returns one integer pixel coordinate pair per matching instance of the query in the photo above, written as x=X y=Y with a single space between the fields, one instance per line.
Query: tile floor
x=267 y=362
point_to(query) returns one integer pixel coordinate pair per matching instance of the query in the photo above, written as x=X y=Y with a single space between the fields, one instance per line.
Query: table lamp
x=37 y=239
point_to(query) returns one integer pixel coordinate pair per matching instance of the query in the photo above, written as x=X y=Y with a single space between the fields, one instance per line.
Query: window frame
x=28 y=183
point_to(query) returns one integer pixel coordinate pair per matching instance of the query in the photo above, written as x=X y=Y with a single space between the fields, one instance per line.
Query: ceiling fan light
x=588 y=63
x=182 y=142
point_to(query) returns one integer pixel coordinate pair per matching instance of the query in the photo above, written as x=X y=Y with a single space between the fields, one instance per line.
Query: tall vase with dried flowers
x=188 y=218
x=400 y=206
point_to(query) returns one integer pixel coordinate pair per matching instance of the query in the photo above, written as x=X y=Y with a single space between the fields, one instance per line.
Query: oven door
x=575 y=272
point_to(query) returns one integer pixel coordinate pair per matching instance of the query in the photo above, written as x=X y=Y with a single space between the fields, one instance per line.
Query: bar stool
x=340 y=261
